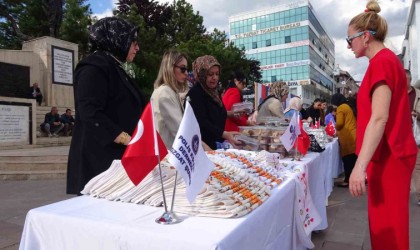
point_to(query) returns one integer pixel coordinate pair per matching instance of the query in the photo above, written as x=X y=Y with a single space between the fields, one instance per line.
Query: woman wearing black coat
x=108 y=104
x=207 y=105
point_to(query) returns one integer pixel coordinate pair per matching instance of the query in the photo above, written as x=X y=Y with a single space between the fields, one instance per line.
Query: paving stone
x=331 y=245
x=345 y=238
x=346 y=229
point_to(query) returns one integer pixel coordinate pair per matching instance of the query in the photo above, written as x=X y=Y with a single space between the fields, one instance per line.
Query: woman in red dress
x=385 y=144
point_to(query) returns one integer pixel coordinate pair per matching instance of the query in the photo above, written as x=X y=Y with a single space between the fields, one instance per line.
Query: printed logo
x=195 y=143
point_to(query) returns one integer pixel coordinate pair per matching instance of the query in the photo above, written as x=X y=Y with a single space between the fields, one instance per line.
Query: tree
x=77 y=18
x=154 y=14
x=230 y=57
x=22 y=20
x=254 y=70
x=10 y=33
x=184 y=24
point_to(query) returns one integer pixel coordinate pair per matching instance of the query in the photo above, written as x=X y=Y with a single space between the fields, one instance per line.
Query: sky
x=334 y=15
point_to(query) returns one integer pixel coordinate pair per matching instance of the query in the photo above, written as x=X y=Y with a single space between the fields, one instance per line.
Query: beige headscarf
x=279 y=89
x=294 y=103
x=200 y=67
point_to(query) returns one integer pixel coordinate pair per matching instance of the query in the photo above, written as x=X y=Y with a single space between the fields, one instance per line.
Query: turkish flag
x=303 y=142
x=318 y=123
x=140 y=156
x=330 y=129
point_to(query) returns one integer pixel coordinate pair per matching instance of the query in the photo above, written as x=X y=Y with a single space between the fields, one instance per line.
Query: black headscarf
x=337 y=99
x=113 y=35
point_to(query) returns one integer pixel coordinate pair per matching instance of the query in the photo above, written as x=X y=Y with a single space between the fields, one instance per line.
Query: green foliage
x=22 y=20
x=184 y=31
x=77 y=17
x=161 y=27
x=184 y=24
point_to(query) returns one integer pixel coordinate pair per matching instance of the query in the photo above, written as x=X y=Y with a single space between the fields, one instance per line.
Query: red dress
x=389 y=171
x=232 y=96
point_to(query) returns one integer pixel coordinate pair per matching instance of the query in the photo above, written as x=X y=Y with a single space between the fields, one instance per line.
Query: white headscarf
x=294 y=103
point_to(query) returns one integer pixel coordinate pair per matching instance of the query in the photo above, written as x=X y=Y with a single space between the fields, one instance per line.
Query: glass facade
x=289 y=42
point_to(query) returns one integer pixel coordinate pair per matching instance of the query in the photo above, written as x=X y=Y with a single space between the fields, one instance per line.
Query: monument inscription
x=14 y=124
x=62 y=65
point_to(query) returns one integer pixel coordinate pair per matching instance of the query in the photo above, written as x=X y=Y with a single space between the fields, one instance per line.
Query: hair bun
x=373 y=5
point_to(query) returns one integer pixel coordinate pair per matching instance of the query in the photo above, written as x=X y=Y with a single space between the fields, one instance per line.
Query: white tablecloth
x=90 y=223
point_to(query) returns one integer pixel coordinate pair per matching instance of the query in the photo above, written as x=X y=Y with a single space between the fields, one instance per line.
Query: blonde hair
x=370 y=20
x=166 y=73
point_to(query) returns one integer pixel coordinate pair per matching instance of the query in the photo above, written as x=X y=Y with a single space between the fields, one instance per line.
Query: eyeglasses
x=349 y=39
x=183 y=69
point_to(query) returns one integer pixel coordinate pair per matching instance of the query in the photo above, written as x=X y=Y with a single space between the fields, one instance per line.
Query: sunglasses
x=183 y=69
x=349 y=39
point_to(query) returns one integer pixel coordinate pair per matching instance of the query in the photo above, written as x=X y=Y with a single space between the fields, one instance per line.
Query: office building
x=410 y=51
x=291 y=45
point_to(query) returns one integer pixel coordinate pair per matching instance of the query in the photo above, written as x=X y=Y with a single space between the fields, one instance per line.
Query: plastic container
x=276 y=133
x=272 y=121
x=253 y=131
x=278 y=148
x=245 y=107
x=247 y=143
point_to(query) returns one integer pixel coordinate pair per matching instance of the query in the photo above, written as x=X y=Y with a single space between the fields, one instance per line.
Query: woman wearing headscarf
x=346 y=131
x=108 y=104
x=207 y=104
x=295 y=105
x=272 y=104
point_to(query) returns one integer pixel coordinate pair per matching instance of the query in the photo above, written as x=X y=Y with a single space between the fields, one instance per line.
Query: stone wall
x=57 y=90
x=37 y=55
x=54 y=94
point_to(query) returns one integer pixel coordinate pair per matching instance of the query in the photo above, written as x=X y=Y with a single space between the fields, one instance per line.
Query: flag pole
x=173 y=194
x=297 y=138
x=161 y=185
x=168 y=217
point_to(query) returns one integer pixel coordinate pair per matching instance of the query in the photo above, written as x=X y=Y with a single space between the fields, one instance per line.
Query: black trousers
x=348 y=162
x=39 y=99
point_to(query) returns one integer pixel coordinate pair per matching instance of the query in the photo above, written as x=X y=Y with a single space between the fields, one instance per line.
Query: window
x=273 y=78
x=287 y=39
x=254 y=45
x=268 y=42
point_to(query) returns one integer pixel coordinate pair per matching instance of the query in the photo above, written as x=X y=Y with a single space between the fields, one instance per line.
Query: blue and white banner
x=289 y=137
x=188 y=156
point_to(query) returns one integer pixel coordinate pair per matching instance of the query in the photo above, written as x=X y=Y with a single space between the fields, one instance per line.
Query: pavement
x=347 y=216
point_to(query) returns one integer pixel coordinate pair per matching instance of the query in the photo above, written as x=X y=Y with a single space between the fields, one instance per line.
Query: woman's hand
x=230 y=113
x=309 y=119
x=251 y=123
x=357 y=180
x=205 y=146
x=235 y=114
x=230 y=137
